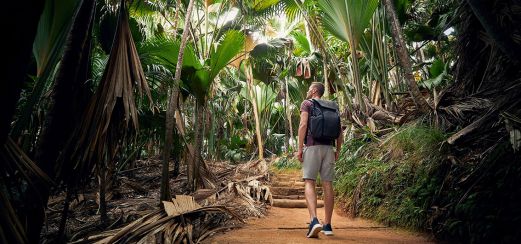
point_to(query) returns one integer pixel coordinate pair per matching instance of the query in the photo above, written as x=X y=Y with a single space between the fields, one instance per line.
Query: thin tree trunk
x=357 y=80
x=65 y=213
x=172 y=106
x=176 y=16
x=288 y=112
x=403 y=56
x=286 y=123
x=326 y=83
x=249 y=80
x=198 y=143
x=102 y=176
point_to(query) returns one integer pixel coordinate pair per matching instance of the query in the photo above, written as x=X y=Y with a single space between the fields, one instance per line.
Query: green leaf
x=165 y=51
x=302 y=46
x=347 y=19
x=437 y=68
x=229 y=47
x=53 y=28
x=259 y=5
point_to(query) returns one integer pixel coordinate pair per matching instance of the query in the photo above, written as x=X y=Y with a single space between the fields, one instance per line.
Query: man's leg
x=311 y=198
x=310 y=170
x=327 y=174
x=327 y=186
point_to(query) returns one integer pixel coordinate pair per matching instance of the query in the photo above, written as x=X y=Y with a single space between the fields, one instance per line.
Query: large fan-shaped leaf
x=345 y=18
x=164 y=51
x=228 y=48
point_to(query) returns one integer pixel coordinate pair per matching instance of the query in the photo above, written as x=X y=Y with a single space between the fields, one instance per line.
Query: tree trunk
x=102 y=176
x=67 y=100
x=403 y=56
x=357 y=80
x=288 y=112
x=249 y=81
x=198 y=143
x=172 y=106
x=286 y=123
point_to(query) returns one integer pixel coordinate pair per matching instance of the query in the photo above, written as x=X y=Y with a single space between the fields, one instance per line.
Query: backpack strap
x=309 y=119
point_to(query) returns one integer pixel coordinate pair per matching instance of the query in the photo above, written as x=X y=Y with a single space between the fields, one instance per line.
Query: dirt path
x=289 y=225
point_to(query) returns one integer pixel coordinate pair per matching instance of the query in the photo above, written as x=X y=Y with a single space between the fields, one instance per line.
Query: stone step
x=278 y=178
x=293 y=197
x=288 y=183
x=290 y=203
x=277 y=190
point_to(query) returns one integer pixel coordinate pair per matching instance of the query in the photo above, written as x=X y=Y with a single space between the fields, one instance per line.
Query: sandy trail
x=289 y=225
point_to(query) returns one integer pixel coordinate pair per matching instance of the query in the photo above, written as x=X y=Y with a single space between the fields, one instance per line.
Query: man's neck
x=315 y=97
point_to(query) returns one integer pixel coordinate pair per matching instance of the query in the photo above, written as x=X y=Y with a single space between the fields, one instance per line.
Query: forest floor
x=289 y=224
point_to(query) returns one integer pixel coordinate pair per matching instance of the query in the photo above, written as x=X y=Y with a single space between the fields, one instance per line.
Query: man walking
x=318 y=155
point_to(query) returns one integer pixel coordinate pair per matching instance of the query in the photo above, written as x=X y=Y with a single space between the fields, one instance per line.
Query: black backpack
x=324 y=121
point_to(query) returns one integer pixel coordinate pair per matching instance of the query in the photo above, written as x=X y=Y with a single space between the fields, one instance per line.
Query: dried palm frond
x=457 y=112
x=181 y=220
x=111 y=116
x=243 y=199
x=16 y=168
x=259 y=192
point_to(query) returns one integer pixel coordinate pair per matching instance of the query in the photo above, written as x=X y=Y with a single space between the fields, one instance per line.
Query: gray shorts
x=319 y=159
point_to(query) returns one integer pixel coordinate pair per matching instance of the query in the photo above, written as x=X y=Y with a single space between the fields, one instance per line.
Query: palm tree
x=69 y=97
x=199 y=83
x=22 y=29
x=347 y=20
x=403 y=56
x=172 y=106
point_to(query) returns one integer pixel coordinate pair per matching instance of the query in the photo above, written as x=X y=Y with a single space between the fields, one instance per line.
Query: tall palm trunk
x=288 y=111
x=403 y=56
x=67 y=99
x=24 y=17
x=357 y=80
x=286 y=123
x=172 y=106
x=249 y=81
x=198 y=145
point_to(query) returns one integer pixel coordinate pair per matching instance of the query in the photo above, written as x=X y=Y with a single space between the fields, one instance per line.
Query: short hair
x=319 y=86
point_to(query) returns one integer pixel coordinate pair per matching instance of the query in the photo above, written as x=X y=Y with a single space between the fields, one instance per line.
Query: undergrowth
x=408 y=179
x=286 y=163
x=390 y=180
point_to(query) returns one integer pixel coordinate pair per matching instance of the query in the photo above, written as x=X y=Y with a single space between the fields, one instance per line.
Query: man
x=317 y=157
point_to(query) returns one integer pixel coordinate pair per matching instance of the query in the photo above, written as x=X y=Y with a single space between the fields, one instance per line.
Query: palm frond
x=347 y=19
x=111 y=115
x=302 y=44
x=16 y=169
x=231 y=44
x=178 y=222
x=164 y=51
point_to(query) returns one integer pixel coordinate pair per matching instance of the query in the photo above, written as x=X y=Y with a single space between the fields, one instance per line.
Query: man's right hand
x=299 y=155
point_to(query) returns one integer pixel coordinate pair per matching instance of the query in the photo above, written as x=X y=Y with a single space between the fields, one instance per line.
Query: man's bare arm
x=302 y=129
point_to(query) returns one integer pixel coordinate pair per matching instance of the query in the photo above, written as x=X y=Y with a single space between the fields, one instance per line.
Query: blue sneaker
x=314 y=228
x=327 y=230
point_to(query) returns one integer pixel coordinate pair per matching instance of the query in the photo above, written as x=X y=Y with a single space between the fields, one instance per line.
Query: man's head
x=316 y=90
